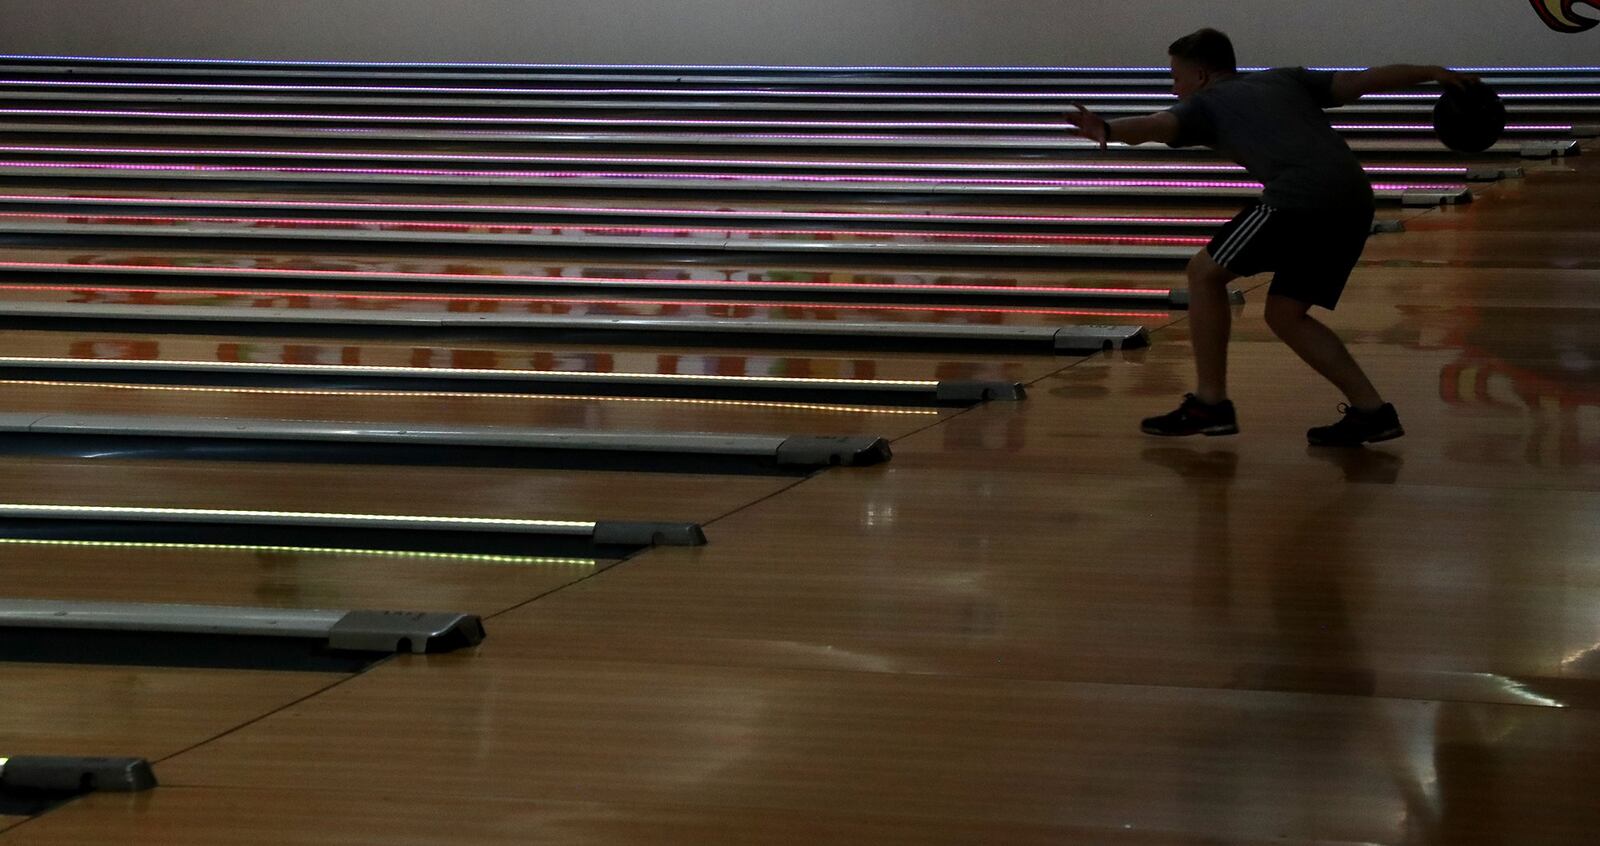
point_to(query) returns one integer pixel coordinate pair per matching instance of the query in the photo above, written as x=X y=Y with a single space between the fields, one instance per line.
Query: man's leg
x=1318 y=346
x=1210 y=322
x=1207 y=411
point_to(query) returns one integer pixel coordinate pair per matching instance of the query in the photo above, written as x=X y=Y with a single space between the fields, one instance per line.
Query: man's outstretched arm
x=1161 y=126
x=1348 y=86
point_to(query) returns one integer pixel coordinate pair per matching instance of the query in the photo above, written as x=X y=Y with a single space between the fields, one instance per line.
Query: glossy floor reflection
x=1034 y=625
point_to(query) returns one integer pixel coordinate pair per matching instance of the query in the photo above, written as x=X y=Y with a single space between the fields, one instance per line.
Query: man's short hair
x=1207 y=48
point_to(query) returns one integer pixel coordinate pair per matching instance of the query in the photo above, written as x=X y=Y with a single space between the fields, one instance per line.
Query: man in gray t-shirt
x=1309 y=226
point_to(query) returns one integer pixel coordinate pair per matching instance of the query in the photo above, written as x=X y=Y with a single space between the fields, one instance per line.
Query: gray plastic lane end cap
x=1095 y=338
x=405 y=631
x=1420 y=198
x=77 y=775
x=1483 y=174
x=1586 y=130
x=832 y=450
x=633 y=533
x=974 y=390
x=1388 y=226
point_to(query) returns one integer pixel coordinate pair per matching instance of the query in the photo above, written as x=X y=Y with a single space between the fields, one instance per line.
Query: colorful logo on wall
x=1558 y=14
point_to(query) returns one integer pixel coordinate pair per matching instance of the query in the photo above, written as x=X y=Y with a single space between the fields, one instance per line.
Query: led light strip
x=639 y=211
x=543 y=92
x=1428 y=127
x=1066 y=96
x=682 y=177
x=354 y=394
x=212 y=62
x=314 y=516
x=590 y=229
x=1093 y=167
x=1010 y=126
x=750 y=304
x=587 y=563
x=635 y=282
x=387 y=370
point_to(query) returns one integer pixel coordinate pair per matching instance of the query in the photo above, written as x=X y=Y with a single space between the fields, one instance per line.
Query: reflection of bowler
x=1309 y=226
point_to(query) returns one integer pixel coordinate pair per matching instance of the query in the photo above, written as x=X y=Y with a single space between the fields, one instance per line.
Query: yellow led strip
x=464 y=522
x=841 y=409
x=314 y=550
x=166 y=364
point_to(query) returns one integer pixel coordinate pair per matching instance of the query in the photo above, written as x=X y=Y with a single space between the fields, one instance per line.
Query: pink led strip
x=426 y=226
x=535 y=279
x=409 y=298
x=615 y=210
x=320 y=63
x=719 y=177
x=684 y=177
x=661 y=122
x=585 y=92
x=520 y=121
x=1425 y=127
x=693 y=92
x=1112 y=167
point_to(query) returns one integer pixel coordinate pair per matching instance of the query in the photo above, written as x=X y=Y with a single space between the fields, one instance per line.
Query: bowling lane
x=329 y=267
x=556 y=358
x=49 y=123
x=277 y=577
x=605 y=414
x=390 y=230
x=379 y=489
x=777 y=310
x=729 y=414
x=815 y=160
x=525 y=203
x=242 y=573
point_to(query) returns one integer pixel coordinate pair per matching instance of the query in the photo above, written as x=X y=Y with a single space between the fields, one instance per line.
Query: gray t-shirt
x=1273 y=123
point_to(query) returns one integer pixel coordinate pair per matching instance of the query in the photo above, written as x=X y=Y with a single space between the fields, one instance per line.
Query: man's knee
x=1203 y=271
x=1283 y=314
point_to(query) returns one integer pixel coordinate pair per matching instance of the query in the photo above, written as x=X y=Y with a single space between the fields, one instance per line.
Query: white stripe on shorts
x=1241 y=237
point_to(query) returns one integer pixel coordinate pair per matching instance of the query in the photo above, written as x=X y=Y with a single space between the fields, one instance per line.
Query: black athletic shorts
x=1311 y=251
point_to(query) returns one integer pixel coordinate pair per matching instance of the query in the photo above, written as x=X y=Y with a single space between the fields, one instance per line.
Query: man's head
x=1199 y=59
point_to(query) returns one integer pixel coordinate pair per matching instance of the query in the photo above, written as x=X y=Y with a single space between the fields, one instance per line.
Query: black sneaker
x=1358 y=427
x=1194 y=417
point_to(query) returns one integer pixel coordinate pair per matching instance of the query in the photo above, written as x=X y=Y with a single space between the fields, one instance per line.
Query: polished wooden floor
x=1034 y=625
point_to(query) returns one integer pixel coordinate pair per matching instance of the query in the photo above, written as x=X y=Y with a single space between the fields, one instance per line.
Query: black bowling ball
x=1469 y=119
